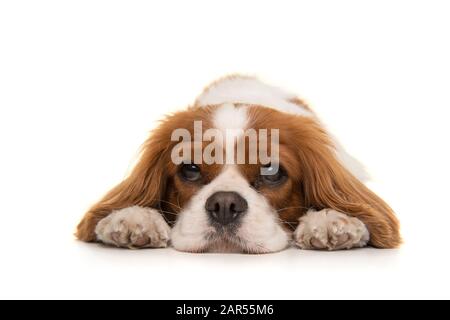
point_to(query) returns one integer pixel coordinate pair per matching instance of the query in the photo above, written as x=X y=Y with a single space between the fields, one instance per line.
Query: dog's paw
x=134 y=227
x=331 y=230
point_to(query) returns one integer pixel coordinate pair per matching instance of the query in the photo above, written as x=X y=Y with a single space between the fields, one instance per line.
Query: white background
x=82 y=83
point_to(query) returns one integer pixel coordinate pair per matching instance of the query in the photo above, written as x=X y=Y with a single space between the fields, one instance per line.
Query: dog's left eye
x=274 y=175
x=190 y=172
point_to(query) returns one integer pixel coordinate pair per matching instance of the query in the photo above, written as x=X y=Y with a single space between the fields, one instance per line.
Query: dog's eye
x=273 y=175
x=190 y=172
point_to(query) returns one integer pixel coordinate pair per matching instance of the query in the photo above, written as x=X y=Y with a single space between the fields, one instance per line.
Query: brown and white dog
x=315 y=199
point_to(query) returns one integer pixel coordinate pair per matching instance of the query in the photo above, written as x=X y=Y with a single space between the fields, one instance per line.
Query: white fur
x=250 y=91
x=230 y=117
x=330 y=229
x=259 y=231
x=351 y=163
x=134 y=227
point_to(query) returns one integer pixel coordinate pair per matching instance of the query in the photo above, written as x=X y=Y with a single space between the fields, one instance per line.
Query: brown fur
x=301 y=103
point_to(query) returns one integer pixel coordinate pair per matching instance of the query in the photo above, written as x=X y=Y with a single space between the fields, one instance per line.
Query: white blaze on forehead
x=231 y=121
x=249 y=90
x=230 y=117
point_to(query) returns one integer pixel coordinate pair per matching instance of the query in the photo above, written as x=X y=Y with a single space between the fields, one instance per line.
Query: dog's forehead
x=231 y=118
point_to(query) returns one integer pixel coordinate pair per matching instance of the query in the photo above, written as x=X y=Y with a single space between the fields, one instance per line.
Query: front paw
x=134 y=227
x=330 y=229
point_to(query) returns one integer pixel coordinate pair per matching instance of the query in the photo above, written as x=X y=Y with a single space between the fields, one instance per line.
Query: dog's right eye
x=190 y=172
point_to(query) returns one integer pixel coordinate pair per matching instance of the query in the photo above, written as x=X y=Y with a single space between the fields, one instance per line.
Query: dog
x=312 y=195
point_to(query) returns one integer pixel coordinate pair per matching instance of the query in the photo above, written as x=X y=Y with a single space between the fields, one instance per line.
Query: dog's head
x=217 y=203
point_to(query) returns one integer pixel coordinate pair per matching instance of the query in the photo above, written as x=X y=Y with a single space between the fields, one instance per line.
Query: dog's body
x=314 y=195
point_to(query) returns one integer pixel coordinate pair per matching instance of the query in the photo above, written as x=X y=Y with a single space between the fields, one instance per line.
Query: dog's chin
x=224 y=246
x=227 y=246
x=227 y=242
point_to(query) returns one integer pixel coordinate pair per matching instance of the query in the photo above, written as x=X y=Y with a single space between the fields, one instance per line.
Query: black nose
x=225 y=207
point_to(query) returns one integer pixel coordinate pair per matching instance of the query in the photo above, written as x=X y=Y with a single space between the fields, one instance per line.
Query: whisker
x=165 y=201
x=287 y=208
x=169 y=212
x=178 y=200
x=286 y=222
x=168 y=203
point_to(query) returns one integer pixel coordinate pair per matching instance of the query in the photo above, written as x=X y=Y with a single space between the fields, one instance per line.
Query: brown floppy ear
x=144 y=187
x=327 y=184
